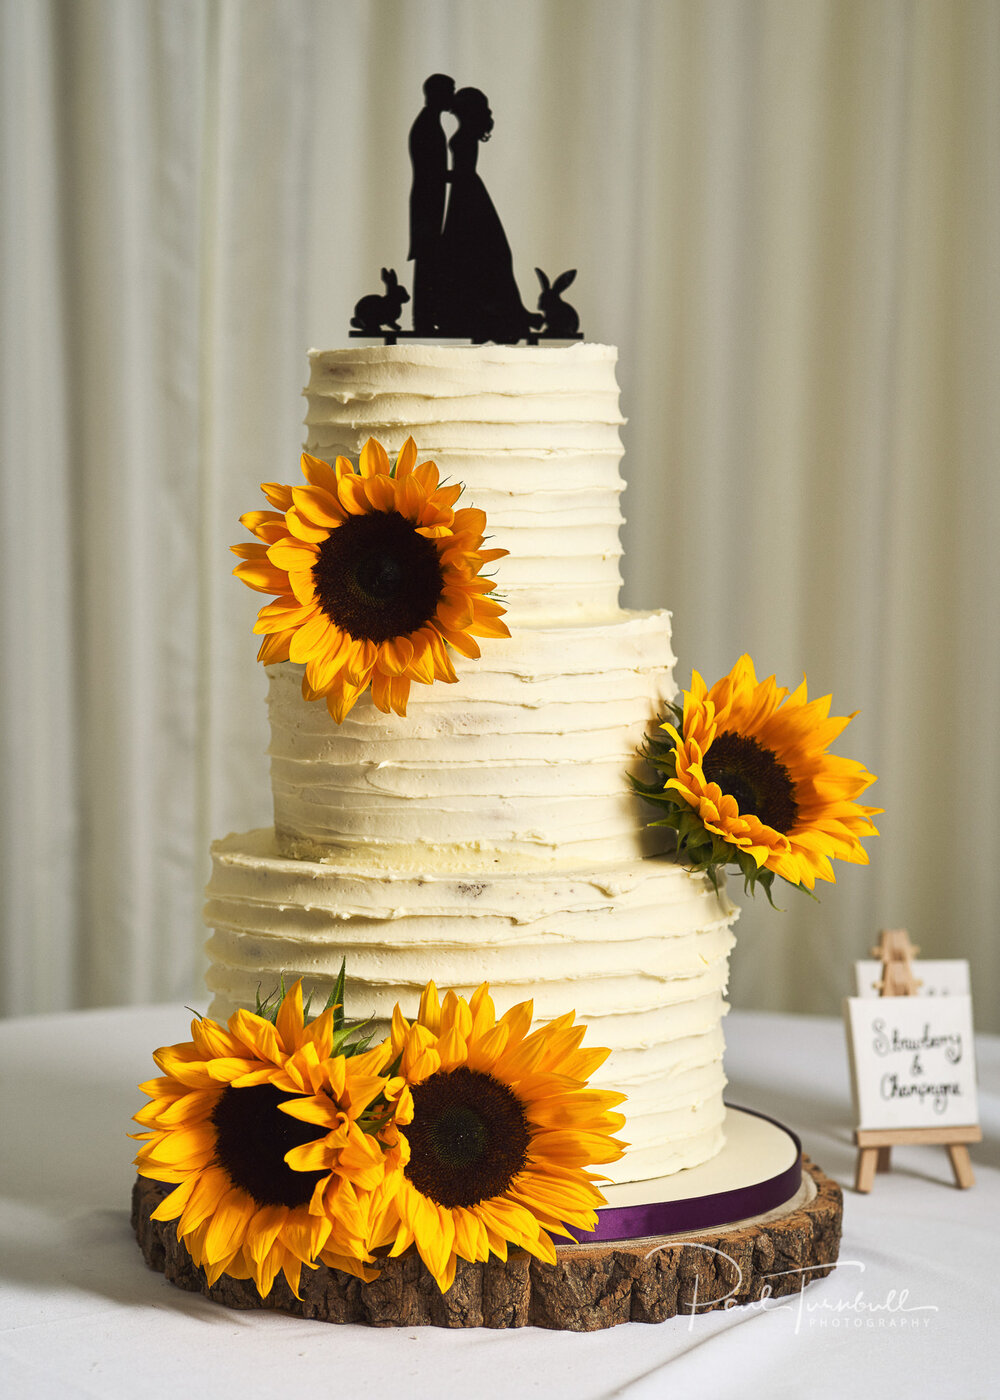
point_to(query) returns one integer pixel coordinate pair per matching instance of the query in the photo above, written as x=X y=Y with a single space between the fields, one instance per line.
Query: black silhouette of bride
x=477 y=294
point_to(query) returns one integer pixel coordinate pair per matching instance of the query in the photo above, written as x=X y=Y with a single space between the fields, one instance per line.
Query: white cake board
x=757 y=1172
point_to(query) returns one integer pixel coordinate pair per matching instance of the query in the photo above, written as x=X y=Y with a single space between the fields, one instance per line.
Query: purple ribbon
x=699 y=1212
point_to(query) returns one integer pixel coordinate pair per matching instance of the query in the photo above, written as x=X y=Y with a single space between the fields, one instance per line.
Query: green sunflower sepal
x=701 y=850
x=346 y=1038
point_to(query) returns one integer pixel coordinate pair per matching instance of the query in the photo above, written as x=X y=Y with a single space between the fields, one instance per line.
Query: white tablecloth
x=908 y=1312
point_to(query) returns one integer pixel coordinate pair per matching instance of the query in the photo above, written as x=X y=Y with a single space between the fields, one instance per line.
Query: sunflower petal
x=280 y=496
x=374 y=459
x=319 y=507
x=353 y=496
x=319 y=473
x=262 y=575
x=406 y=458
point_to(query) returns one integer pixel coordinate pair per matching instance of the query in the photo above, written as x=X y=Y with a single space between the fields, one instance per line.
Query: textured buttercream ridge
x=656 y=883
x=400 y=415
x=622 y=972
x=368 y=396
x=458 y=924
x=444 y=356
x=250 y=867
x=629 y=640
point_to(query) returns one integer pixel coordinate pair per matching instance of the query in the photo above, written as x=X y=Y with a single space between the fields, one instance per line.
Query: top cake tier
x=533 y=433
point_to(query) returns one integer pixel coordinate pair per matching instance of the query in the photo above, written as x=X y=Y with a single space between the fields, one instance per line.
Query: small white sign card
x=938 y=977
x=912 y=1060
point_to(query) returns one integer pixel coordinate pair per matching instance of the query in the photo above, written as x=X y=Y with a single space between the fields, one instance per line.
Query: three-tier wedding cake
x=491 y=833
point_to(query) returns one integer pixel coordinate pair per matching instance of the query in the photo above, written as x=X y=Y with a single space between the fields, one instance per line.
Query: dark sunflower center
x=252 y=1136
x=468 y=1139
x=755 y=777
x=376 y=578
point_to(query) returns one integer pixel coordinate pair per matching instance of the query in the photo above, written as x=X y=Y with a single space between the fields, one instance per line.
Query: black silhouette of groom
x=429 y=157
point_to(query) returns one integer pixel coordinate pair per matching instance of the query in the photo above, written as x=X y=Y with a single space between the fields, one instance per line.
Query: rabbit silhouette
x=374 y=312
x=561 y=319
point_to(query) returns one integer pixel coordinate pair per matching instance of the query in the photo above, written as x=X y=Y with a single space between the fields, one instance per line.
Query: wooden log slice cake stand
x=686 y=1244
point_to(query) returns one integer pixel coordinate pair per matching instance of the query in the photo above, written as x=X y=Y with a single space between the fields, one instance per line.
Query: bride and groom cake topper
x=463 y=271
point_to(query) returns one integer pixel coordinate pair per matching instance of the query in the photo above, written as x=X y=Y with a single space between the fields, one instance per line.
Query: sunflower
x=496 y=1131
x=270 y=1141
x=376 y=575
x=749 y=780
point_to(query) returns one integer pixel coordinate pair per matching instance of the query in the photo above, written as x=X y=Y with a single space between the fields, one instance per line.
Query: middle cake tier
x=523 y=762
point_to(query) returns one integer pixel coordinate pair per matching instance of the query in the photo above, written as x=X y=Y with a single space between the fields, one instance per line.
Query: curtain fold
x=787 y=215
x=39 y=853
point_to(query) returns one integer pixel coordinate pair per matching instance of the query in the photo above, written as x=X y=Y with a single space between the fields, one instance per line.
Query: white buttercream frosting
x=525 y=759
x=491 y=834
x=532 y=433
x=638 y=948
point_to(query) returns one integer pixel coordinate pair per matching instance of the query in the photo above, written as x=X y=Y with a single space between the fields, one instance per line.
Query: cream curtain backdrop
x=785 y=213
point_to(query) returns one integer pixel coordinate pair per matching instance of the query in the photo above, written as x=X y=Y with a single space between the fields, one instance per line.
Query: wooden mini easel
x=896 y=952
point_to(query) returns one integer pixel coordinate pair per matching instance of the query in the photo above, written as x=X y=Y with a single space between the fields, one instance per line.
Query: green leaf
x=336 y=997
x=344 y=1045
x=268 y=1008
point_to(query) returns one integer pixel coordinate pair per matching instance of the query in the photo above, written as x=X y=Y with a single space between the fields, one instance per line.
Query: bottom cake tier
x=639 y=949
